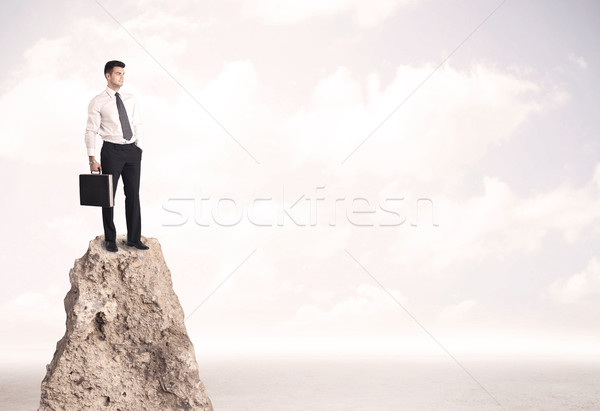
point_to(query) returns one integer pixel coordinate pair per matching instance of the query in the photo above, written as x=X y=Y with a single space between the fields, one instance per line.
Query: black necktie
x=127 y=133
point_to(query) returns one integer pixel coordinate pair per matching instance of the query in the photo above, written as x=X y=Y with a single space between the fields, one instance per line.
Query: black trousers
x=123 y=160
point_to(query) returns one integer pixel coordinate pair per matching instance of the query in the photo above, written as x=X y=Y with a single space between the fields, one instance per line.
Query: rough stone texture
x=126 y=346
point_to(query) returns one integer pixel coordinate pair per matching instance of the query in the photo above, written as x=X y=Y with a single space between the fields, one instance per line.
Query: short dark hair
x=108 y=67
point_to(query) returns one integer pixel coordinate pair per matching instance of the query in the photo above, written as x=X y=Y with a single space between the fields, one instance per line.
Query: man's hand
x=96 y=167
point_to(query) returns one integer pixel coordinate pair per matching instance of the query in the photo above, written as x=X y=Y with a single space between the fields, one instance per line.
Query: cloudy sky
x=324 y=176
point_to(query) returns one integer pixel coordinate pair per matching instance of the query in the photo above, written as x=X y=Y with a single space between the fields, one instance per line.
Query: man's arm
x=91 y=131
x=137 y=125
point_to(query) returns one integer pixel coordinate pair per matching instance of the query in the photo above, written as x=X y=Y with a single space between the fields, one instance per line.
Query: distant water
x=370 y=385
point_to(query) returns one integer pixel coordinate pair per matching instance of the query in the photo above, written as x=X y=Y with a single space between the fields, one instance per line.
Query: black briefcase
x=96 y=190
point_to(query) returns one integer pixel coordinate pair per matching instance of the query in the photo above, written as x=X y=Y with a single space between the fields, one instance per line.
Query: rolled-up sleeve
x=92 y=127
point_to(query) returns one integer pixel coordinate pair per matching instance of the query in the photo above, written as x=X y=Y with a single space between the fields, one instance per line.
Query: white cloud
x=289 y=11
x=368 y=309
x=450 y=123
x=579 y=61
x=457 y=313
x=32 y=314
x=439 y=135
x=498 y=224
x=583 y=287
x=473 y=110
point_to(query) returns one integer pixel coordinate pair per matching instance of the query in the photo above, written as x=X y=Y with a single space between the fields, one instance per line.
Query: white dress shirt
x=103 y=120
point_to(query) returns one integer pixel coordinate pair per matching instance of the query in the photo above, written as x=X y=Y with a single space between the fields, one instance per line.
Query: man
x=116 y=118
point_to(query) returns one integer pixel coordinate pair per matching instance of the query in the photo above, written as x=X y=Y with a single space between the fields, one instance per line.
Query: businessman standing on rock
x=116 y=118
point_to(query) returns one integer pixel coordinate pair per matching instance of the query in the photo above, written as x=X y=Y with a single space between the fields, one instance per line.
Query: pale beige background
x=502 y=138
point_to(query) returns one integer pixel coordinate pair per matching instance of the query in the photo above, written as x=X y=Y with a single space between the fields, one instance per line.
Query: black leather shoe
x=111 y=246
x=139 y=245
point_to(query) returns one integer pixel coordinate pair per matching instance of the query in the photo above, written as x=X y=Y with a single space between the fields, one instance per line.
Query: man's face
x=117 y=77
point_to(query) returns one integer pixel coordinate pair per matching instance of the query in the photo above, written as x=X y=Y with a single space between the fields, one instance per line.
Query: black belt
x=118 y=146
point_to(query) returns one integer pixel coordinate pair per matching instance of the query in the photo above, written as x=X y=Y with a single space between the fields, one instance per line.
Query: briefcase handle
x=92 y=172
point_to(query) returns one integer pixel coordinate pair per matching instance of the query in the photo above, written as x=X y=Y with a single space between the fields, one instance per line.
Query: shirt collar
x=111 y=92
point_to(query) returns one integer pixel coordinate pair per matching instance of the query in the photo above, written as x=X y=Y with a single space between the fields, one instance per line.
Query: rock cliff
x=126 y=346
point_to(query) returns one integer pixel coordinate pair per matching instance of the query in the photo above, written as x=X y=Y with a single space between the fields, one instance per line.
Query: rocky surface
x=126 y=346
